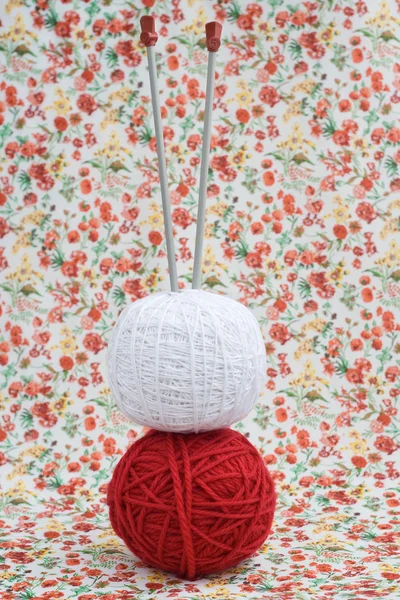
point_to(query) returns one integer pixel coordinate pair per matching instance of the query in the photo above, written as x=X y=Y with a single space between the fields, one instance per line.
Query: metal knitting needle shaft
x=149 y=38
x=213 y=35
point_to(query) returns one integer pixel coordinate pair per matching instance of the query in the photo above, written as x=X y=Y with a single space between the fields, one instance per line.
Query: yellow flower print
x=19 y=486
x=106 y=391
x=150 y=282
x=337 y=518
x=384 y=17
x=17 y=31
x=384 y=567
x=293 y=110
x=290 y=490
x=308 y=377
x=245 y=96
x=35 y=451
x=329 y=538
x=392 y=257
x=394 y=205
x=197 y=25
x=177 y=151
x=6 y=575
x=216 y=583
x=210 y=264
x=337 y=274
x=121 y=95
x=157 y=577
x=87 y=494
x=19 y=470
x=240 y=158
x=111 y=117
x=22 y=241
x=209 y=231
x=82 y=36
x=305 y=347
x=306 y=87
x=342 y=212
x=358 y=492
x=326 y=35
x=62 y=105
x=11 y=4
x=314 y=325
x=323 y=527
x=24 y=271
x=107 y=532
x=361 y=145
x=222 y=593
x=112 y=542
x=35 y=217
x=264 y=28
x=359 y=446
x=390 y=227
x=54 y=525
x=218 y=209
x=57 y=166
x=155 y=220
x=209 y=261
x=89 y=276
x=113 y=148
x=68 y=345
x=263 y=550
x=61 y=404
x=295 y=141
x=376 y=382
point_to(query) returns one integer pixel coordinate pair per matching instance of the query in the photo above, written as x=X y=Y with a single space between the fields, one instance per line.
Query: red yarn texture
x=192 y=504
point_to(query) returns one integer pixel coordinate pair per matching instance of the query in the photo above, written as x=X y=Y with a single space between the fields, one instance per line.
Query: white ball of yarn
x=188 y=361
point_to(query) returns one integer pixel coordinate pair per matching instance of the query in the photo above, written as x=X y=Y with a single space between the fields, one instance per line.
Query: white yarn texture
x=186 y=362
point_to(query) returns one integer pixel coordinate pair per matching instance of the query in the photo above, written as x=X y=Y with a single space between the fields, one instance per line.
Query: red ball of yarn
x=192 y=504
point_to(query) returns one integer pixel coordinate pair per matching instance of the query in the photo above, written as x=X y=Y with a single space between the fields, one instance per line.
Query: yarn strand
x=187 y=561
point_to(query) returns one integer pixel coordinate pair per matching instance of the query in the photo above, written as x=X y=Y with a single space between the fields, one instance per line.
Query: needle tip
x=148 y=37
x=213 y=35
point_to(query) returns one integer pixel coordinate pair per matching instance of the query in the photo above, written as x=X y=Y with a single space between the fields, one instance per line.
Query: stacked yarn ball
x=186 y=362
x=191 y=497
x=192 y=504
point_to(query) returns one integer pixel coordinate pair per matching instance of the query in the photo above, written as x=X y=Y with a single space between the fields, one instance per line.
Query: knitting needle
x=213 y=36
x=149 y=38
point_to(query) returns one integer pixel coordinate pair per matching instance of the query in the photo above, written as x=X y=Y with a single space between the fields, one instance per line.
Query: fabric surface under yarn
x=192 y=504
x=189 y=361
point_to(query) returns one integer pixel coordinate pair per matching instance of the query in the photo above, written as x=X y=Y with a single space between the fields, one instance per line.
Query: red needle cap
x=213 y=35
x=148 y=36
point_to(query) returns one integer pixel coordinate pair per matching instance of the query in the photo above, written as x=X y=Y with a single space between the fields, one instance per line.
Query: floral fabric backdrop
x=302 y=227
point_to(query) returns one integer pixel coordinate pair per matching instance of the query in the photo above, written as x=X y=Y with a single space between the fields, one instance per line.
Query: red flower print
x=86 y=103
x=341 y=137
x=181 y=217
x=63 y=29
x=155 y=238
x=385 y=444
x=366 y=212
x=279 y=333
x=93 y=342
x=268 y=95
